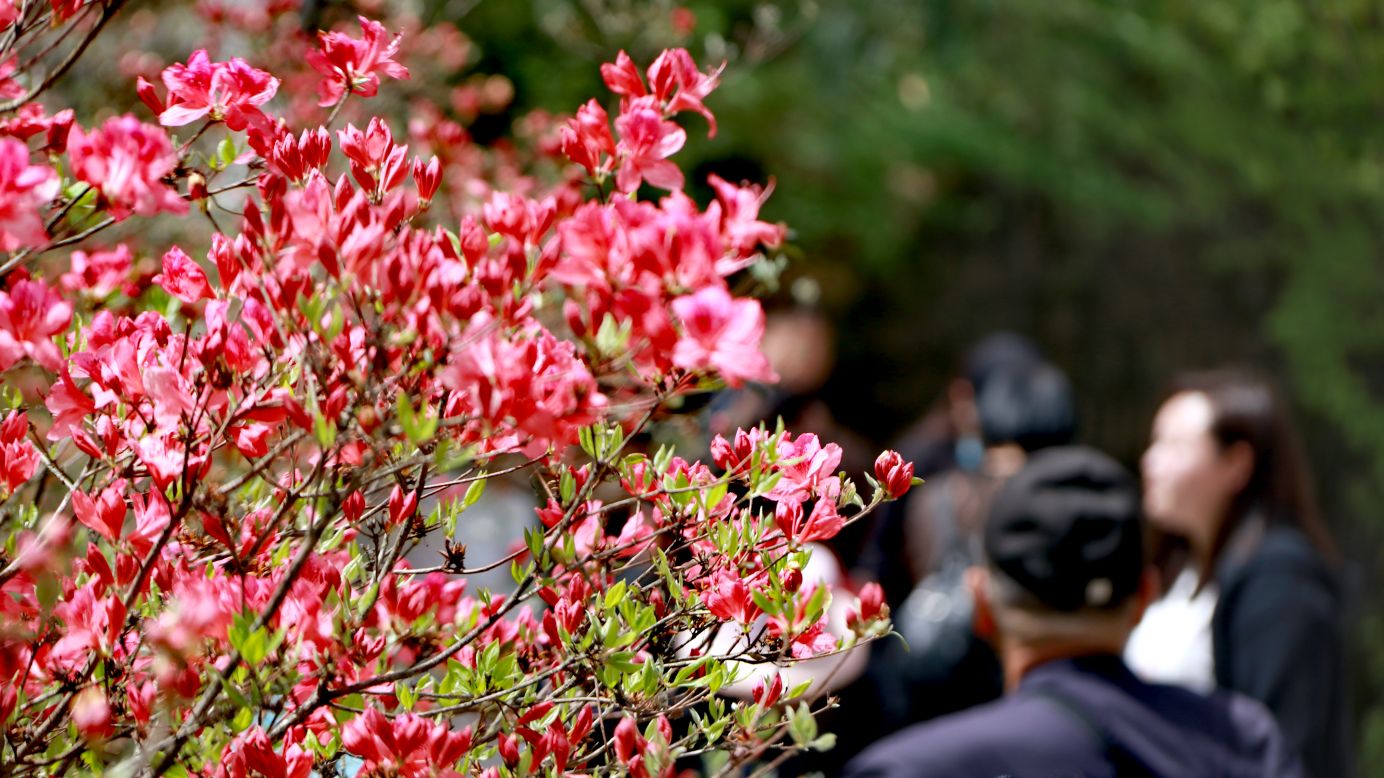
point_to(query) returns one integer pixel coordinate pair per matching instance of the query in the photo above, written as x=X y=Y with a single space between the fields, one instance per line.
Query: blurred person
x=1253 y=601
x=800 y=344
x=1063 y=582
x=947 y=438
x=941 y=666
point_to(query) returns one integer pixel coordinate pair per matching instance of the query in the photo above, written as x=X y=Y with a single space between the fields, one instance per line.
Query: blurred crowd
x=1214 y=647
x=1056 y=614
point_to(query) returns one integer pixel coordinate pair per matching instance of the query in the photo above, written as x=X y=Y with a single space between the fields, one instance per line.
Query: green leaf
x=621 y=662
x=473 y=493
x=614 y=595
x=324 y=430
x=243 y=719
x=225 y=151
x=566 y=487
x=405 y=694
x=801 y=725
x=418 y=427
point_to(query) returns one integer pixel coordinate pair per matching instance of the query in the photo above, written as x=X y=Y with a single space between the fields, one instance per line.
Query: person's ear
x=983 y=616
x=1239 y=458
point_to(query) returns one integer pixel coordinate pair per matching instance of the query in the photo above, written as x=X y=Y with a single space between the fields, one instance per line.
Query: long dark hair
x=1246 y=408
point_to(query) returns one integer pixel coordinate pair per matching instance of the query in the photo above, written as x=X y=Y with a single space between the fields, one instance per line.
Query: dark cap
x=1067 y=529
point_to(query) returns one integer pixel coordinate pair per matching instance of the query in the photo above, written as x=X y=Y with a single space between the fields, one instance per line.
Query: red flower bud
x=353 y=506
x=871 y=606
x=402 y=505
x=149 y=95
x=792 y=579
x=894 y=474
x=765 y=695
x=428 y=178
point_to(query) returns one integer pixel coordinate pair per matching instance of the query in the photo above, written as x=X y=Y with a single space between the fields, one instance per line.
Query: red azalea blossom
x=92 y=713
x=722 y=333
x=126 y=160
x=66 y=9
x=183 y=278
x=230 y=91
x=646 y=142
x=247 y=481
x=25 y=191
x=18 y=457
x=98 y=273
x=352 y=65
x=31 y=314
x=408 y=746
x=105 y=513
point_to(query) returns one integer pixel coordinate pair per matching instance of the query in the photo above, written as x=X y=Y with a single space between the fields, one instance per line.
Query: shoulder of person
x=988 y=737
x=1281 y=553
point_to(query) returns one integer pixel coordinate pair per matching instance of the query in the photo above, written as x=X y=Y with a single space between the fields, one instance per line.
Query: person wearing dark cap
x=1063 y=583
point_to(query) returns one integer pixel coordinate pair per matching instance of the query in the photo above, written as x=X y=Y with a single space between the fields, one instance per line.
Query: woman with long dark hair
x=1253 y=602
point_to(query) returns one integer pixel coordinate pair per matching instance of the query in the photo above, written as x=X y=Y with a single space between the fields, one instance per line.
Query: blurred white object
x=827 y=673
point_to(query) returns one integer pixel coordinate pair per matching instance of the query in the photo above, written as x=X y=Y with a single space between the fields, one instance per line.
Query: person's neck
x=1018 y=659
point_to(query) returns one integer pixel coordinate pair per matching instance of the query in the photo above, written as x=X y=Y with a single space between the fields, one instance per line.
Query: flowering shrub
x=212 y=476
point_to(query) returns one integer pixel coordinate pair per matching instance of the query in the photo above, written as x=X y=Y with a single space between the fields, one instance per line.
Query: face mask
x=969 y=453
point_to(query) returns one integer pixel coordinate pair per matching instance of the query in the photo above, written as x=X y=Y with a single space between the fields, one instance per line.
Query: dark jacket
x=1277 y=636
x=1089 y=717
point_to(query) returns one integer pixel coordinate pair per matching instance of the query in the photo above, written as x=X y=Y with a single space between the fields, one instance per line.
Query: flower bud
x=196 y=186
x=402 y=505
x=895 y=475
x=766 y=694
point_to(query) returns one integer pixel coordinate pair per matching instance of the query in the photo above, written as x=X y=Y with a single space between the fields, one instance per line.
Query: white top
x=1173 y=642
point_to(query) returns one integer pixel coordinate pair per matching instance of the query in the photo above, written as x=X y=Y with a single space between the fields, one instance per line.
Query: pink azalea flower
x=106 y=513
x=586 y=138
x=675 y=81
x=99 y=273
x=9 y=88
x=18 y=457
x=646 y=142
x=409 y=745
x=9 y=14
x=377 y=164
x=69 y=405
x=623 y=77
x=231 y=91
x=722 y=333
x=806 y=466
x=740 y=216
x=25 y=192
x=66 y=9
x=127 y=161
x=870 y=607
x=30 y=315
x=91 y=713
x=351 y=65
x=183 y=278
x=168 y=391
x=251 y=753
x=729 y=597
